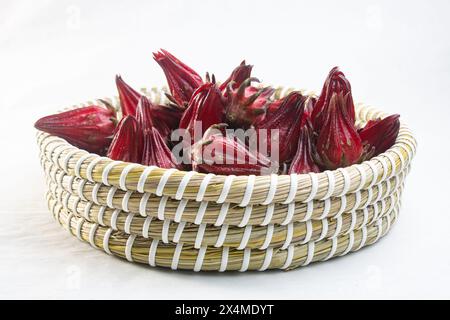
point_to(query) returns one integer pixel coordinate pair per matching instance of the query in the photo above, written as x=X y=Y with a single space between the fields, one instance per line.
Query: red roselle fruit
x=127 y=143
x=219 y=154
x=246 y=104
x=379 y=135
x=156 y=152
x=287 y=119
x=303 y=161
x=237 y=77
x=338 y=144
x=206 y=108
x=335 y=83
x=182 y=80
x=90 y=128
x=129 y=97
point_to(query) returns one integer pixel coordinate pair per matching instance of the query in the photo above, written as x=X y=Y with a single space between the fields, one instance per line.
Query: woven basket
x=195 y=221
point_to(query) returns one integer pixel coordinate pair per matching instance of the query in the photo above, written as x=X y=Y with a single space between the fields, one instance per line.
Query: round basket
x=207 y=222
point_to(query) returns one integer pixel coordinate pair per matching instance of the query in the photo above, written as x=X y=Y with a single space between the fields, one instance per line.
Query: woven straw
x=194 y=221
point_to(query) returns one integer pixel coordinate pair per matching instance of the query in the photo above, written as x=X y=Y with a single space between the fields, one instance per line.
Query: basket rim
x=219 y=188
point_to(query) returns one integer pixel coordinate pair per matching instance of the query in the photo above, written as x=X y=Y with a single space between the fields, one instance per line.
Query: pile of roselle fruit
x=309 y=134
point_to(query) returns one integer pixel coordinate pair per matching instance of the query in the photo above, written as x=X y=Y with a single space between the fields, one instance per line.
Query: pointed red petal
x=144 y=114
x=287 y=119
x=206 y=107
x=238 y=76
x=336 y=82
x=303 y=161
x=90 y=128
x=182 y=80
x=127 y=142
x=156 y=152
x=338 y=144
x=379 y=135
x=219 y=154
x=129 y=97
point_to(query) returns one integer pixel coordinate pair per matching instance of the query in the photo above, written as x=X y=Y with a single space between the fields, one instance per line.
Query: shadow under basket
x=206 y=222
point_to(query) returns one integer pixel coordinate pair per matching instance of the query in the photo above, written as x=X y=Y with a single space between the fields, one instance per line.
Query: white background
x=56 y=53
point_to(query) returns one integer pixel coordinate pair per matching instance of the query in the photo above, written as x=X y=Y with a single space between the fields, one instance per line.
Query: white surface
x=55 y=53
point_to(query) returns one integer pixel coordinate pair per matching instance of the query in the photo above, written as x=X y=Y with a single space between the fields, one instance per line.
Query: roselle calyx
x=128 y=97
x=182 y=80
x=220 y=154
x=304 y=159
x=127 y=143
x=205 y=108
x=336 y=82
x=90 y=128
x=246 y=104
x=156 y=152
x=287 y=120
x=380 y=134
x=237 y=77
x=338 y=143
